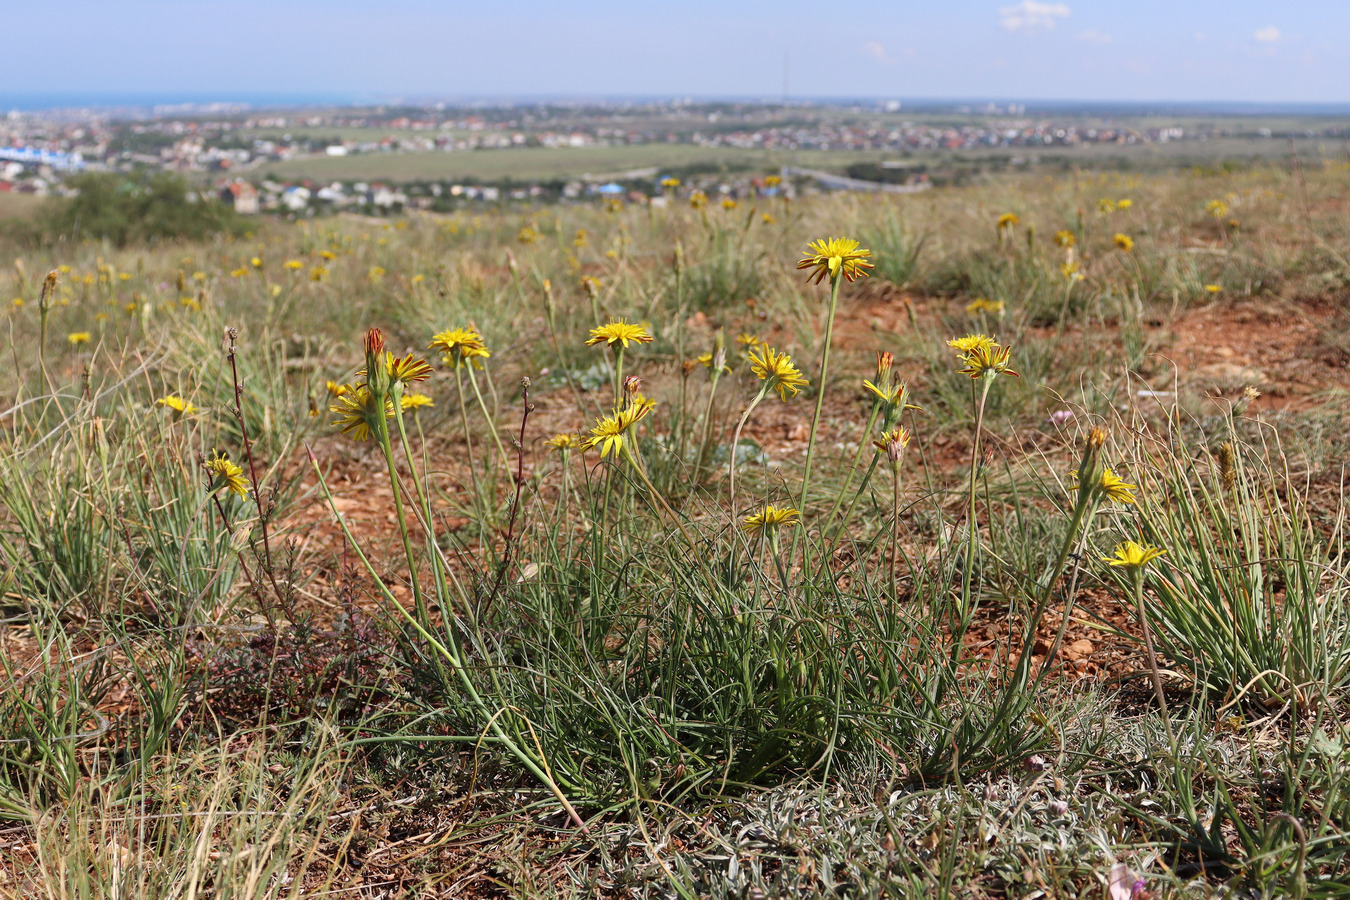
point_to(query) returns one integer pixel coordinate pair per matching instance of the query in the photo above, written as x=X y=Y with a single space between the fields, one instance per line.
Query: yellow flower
x=698 y=200
x=1007 y=220
x=777 y=369
x=179 y=406
x=78 y=337
x=198 y=276
x=1123 y=242
x=1106 y=205
x=1133 y=555
x=375 y=273
x=256 y=262
x=1115 y=488
x=767 y=219
x=294 y=265
x=1070 y=271
x=563 y=443
x=1065 y=238
x=239 y=273
x=1124 y=204
x=1213 y=288
x=706 y=359
x=613 y=204
x=980 y=304
x=1217 y=208
x=582 y=238
x=355 y=408
x=893 y=442
x=619 y=332
x=416 y=401
x=728 y=203
x=772 y=180
x=770 y=519
x=461 y=346
x=328 y=255
x=607 y=435
x=337 y=390
x=527 y=235
x=226 y=474
x=124 y=276
x=832 y=257
x=970 y=343
x=17 y=302
x=408 y=369
x=748 y=340
x=670 y=184
x=591 y=285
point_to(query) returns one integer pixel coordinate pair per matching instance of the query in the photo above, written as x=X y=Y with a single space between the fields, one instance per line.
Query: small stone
x=1080 y=649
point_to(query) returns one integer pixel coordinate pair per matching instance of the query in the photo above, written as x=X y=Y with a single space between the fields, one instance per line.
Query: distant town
x=255 y=160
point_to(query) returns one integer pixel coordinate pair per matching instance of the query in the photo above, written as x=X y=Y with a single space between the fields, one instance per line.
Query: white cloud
x=1093 y=36
x=878 y=52
x=1031 y=15
x=1268 y=35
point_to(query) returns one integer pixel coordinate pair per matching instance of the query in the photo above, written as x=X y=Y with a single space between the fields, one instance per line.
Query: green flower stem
x=852 y=469
x=820 y=393
x=736 y=441
x=651 y=489
x=453 y=655
x=978 y=397
x=491 y=424
x=382 y=436
x=820 y=400
x=480 y=506
x=708 y=421
x=424 y=498
x=1137 y=577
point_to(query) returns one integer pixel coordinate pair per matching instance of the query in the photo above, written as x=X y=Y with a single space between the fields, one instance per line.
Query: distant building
x=242 y=196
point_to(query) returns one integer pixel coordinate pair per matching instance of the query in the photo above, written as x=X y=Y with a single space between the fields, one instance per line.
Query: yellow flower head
x=988 y=360
x=1213 y=288
x=728 y=204
x=256 y=262
x=1115 y=488
x=407 y=369
x=893 y=442
x=970 y=343
x=1124 y=204
x=355 y=408
x=294 y=265
x=239 y=273
x=1070 y=271
x=1007 y=220
x=608 y=435
x=179 y=406
x=591 y=285
x=337 y=390
x=527 y=235
x=226 y=474
x=767 y=219
x=1133 y=556
x=460 y=346
x=1065 y=238
x=772 y=180
x=1217 y=208
x=832 y=257
x=415 y=401
x=563 y=443
x=706 y=360
x=1106 y=205
x=78 y=337
x=698 y=200
x=770 y=519
x=670 y=184
x=1123 y=242
x=619 y=332
x=582 y=238
x=777 y=369
x=981 y=304
x=318 y=273
x=748 y=340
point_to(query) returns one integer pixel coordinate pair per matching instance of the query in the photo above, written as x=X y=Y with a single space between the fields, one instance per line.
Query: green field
x=540 y=164
x=605 y=550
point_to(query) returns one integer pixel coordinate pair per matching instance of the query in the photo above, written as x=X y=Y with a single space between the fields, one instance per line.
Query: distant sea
x=150 y=103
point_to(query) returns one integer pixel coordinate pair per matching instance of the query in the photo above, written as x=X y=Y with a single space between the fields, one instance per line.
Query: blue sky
x=1230 y=50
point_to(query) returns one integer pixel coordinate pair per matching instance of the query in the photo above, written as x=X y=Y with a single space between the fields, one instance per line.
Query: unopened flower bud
x=632 y=385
